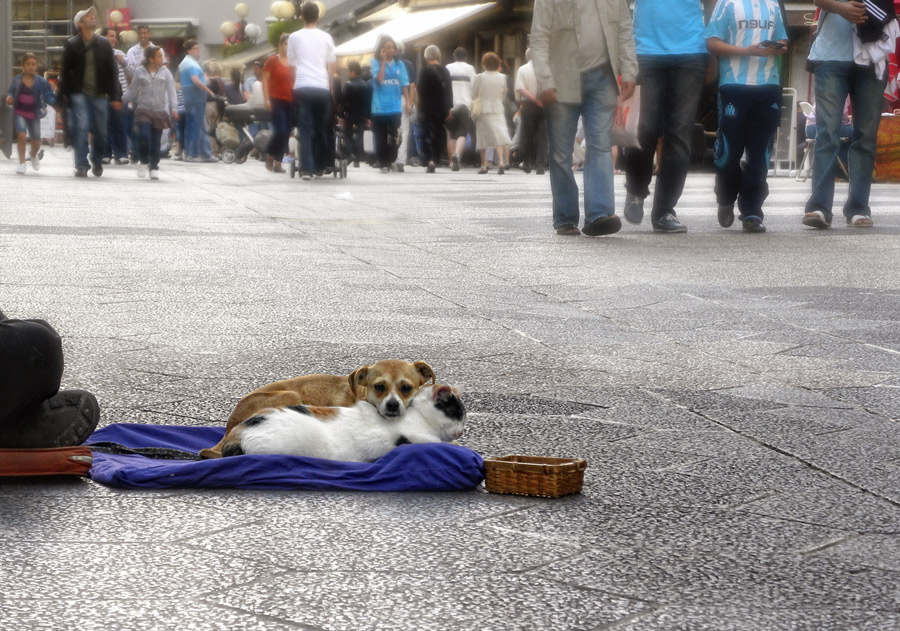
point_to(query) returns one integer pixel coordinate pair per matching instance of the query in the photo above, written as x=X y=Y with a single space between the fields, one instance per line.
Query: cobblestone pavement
x=735 y=396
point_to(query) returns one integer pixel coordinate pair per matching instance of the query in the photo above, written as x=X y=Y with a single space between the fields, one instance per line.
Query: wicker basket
x=534 y=475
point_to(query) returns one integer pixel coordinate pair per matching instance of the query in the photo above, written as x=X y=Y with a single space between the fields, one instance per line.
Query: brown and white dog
x=388 y=384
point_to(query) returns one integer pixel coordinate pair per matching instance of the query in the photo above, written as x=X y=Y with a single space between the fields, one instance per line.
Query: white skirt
x=491 y=131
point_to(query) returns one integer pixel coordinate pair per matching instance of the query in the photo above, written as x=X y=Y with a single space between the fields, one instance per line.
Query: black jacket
x=356 y=100
x=72 y=74
x=435 y=90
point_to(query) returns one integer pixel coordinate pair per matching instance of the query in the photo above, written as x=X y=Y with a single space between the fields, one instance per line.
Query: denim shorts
x=30 y=126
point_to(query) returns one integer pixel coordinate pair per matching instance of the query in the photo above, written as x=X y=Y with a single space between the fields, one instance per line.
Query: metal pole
x=6 y=64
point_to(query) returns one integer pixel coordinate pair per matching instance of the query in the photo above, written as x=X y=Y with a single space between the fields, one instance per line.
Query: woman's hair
x=148 y=54
x=383 y=40
x=490 y=61
x=28 y=56
x=212 y=68
x=236 y=78
x=432 y=53
x=284 y=37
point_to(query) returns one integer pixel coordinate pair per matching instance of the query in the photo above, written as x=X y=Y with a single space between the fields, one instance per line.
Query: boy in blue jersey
x=747 y=36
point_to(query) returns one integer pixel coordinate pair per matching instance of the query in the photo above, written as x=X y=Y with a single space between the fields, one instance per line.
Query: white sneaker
x=142 y=170
x=35 y=162
x=154 y=174
x=20 y=170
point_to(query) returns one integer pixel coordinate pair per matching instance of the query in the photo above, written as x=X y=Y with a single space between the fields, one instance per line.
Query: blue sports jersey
x=668 y=27
x=387 y=97
x=747 y=23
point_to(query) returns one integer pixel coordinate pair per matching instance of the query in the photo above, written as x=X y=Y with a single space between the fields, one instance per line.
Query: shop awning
x=244 y=58
x=410 y=27
x=166 y=28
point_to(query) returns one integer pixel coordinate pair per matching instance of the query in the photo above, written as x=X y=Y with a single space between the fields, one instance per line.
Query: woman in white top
x=488 y=92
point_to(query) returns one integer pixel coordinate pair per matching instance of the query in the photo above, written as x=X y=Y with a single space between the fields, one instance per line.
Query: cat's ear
x=442 y=393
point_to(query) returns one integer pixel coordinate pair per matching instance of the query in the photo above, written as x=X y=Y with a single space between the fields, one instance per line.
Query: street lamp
x=115 y=18
x=236 y=32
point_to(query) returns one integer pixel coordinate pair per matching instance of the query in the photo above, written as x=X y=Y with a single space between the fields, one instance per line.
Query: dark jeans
x=281 y=124
x=385 y=130
x=312 y=109
x=433 y=136
x=670 y=94
x=354 y=149
x=748 y=119
x=117 y=133
x=31 y=366
x=533 y=136
x=148 y=145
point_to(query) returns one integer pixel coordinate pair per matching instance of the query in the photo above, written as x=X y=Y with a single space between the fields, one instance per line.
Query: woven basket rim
x=535 y=464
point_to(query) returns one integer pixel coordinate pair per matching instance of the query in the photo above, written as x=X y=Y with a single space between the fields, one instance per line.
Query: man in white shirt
x=311 y=55
x=533 y=135
x=462 y=75
x=135 y=54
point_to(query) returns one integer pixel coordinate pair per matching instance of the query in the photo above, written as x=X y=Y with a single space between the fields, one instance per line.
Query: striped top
x=747 y=23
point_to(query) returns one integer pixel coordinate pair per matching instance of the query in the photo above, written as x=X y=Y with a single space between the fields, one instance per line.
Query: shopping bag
x=625 y=127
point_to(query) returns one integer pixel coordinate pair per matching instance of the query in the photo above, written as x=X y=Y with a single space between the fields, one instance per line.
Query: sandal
x=482 y=170
x=860 y=221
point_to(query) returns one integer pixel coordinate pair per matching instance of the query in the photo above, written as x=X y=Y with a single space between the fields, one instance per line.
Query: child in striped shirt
x=748 y=36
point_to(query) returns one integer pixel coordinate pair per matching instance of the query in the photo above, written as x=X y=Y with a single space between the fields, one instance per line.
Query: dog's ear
x=425 y=371
x=357 y=380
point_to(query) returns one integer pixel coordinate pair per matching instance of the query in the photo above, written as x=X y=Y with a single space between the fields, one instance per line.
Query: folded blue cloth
x=420 y=467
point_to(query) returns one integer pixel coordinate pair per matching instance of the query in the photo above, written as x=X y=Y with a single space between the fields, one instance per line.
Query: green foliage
x=282 y=26
x=234 y=49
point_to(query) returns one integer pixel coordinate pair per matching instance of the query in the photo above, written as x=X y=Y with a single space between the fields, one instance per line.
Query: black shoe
x=64 y=420
x=539 y=171
x=568 y=230
x=430 y=168
x=726 y=215
x=97 y=169
x=526 y=168
x=668 y=223
x=634 y=209
x=454 y=163
x=752 y=223
x=603 y=225
x=81 y=172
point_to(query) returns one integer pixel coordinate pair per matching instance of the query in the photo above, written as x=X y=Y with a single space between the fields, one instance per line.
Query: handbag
x=475 y=108
x=625 y=127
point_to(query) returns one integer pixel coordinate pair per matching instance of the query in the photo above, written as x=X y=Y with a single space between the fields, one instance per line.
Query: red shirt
x=281 y=80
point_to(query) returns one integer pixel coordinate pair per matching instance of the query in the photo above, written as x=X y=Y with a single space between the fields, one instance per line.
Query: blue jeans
x=88 y=115
x=148 y=145
x=117 y=133
x=196 y=136
x=312 y=112
x=670 y=93
x=281 y=121
x=598 y=110
x=834 y=81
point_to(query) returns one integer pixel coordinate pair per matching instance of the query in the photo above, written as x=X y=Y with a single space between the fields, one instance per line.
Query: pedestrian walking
x=311 y=54
x=845 y=65
x=390 y=87
x=489 y=111
x=355 y=109
x=435 y=90
x=747 y=38
x=89 y=85
x=194 y=92
x=153 y=91
x=136 y=55
x=29 y=95
x=532 y=124
x=278 y=84
x=462 y=76
x=406 y=111
x=117 y=127
x=672 y=60
x=578 y=56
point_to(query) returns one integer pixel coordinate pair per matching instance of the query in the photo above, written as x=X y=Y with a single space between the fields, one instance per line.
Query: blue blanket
x=422 y=467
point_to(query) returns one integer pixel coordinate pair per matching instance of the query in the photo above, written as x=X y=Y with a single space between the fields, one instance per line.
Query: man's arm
x=854 y=12
x=541 y=25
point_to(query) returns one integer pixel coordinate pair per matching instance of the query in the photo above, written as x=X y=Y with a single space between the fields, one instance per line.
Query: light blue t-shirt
x=747 y=23
x=188 y=68
x=668 y=27
x=834 y=41
x=387 y=96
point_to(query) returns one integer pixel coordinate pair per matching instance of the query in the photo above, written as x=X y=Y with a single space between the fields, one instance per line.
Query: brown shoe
x=270 y=163
x=278 y=168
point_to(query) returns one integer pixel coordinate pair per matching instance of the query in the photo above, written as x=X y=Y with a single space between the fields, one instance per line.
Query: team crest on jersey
x=729 y=110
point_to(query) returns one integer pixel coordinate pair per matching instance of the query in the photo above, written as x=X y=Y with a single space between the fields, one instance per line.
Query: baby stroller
x=337 y=149
x=237 y=144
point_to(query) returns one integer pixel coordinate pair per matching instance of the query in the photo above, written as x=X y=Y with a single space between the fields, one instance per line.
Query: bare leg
x=21 y=139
